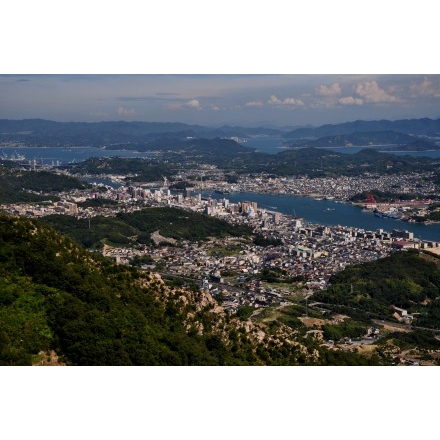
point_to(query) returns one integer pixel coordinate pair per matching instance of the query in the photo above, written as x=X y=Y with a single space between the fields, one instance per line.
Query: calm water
x=312 y=211
x=273 y=145
x=63 y=156
x=352 y=150
x=269 y=145
x=331 y=213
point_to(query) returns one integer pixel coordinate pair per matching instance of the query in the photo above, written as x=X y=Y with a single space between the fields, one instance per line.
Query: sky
x=212 y=99
x=314 y=63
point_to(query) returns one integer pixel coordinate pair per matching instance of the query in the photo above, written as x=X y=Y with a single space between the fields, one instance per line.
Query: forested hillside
x=33 y=186
x=56 y=296
x=137 y=227
x=404 y=280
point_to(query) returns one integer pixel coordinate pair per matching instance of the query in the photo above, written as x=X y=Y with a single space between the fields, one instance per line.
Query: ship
x=392 y=214
x=15 y=157
x=388 y=214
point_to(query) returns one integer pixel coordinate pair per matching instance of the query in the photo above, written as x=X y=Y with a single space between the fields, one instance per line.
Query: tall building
x=297 y=224
x=403 y=234
x=121 y=197
x=244 y=206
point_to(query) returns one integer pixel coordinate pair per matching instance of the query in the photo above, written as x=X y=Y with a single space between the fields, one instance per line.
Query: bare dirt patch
x=157 y=238
x=310 y=322
x=366 y=348
x=395 y=328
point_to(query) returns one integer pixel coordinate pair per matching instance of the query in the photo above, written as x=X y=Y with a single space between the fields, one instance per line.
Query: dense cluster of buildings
x=41 y=209
x=309 y=254
x=342 y=187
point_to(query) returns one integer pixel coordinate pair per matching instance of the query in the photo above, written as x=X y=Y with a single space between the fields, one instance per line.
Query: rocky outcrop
x=48 y=359
x=202 y=313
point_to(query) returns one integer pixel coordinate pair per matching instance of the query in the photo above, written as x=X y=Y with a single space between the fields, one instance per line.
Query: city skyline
x=213 y=100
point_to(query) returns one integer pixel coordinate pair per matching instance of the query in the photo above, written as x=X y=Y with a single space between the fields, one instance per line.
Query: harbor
x=331 y=213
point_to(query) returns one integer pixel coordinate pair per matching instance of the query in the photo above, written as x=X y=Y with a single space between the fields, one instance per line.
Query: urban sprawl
x=308 y=252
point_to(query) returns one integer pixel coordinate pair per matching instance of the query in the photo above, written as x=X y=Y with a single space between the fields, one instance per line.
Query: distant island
x=416 y=127
x=392 y=140
x=148 y=136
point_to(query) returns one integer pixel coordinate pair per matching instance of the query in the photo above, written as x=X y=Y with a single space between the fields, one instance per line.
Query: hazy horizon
x=216 y=100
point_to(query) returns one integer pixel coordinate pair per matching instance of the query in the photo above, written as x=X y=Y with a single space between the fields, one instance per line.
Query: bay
x=323 y=212
x=433 y=154
x=275 y=144
x=266 y=144
x=62 y=156
x=263 y=144
x=330 y=213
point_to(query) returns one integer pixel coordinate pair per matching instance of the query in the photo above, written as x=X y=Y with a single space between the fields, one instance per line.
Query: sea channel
x=325 y=212
x=330 y=213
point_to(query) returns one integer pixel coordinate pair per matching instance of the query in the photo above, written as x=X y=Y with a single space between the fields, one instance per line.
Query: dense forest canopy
x=33 y=186
x=404 y=280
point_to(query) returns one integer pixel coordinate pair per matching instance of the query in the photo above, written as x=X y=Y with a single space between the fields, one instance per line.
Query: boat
x=388 y=214
x=330 y=209
x=391 y=214
x=15 y=157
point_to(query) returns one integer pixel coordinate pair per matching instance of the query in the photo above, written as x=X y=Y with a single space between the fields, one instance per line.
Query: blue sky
x=292 y=100
x=223 y=64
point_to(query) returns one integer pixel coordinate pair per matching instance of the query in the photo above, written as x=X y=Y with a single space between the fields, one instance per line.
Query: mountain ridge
x=422 y=126
x=97 y=133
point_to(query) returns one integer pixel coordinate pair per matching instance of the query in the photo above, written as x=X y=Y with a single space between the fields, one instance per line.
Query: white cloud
x=254 y=104
x=124 y=111
x=215 y=108
x=285 y=102
x=274 y=100
x=425 y=88
x=349 y=100
x=194 y=103
x=371 y=92
x=333 y=90
x=292 y=101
